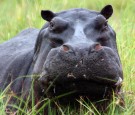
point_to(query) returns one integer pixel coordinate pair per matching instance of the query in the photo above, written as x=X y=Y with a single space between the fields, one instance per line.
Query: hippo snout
x=91 y=62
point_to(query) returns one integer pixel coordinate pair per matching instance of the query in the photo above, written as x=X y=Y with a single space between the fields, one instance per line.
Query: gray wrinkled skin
x=75 y=50
x=16 y=58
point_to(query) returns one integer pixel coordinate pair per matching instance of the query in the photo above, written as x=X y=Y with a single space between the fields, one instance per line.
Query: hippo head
x=77 y=51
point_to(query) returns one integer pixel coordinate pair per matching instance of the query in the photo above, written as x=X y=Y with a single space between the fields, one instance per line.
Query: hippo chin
x=74 y=51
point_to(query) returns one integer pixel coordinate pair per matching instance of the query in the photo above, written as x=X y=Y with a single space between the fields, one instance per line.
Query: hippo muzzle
x=95 y=63
x=81 y=66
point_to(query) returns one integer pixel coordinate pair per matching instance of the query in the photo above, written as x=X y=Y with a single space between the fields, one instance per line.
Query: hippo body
x=16 y=56
x=75 y=51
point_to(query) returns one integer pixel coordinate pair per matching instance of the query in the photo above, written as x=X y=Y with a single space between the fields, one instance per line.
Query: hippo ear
x=107 y=11
x=47 y=15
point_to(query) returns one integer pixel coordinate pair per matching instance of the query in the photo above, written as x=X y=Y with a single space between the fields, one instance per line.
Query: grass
x=17 y=15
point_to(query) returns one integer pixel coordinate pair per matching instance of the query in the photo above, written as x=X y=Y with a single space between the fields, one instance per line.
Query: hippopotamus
x=75 y=52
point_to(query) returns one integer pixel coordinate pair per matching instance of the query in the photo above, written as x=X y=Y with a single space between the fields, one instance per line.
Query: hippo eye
x=51 y=25
x=105 y=26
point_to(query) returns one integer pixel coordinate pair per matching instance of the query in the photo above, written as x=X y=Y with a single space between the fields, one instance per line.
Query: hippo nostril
x=97 y=47
x=65 y=48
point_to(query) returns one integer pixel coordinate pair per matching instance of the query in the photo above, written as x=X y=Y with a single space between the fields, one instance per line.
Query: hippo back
x=15 y=51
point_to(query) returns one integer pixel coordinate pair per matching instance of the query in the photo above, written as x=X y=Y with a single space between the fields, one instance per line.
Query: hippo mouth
x=90 y=74
x=81 y=86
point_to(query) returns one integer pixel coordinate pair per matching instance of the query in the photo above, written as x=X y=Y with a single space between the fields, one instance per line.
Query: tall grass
x=17 y=15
